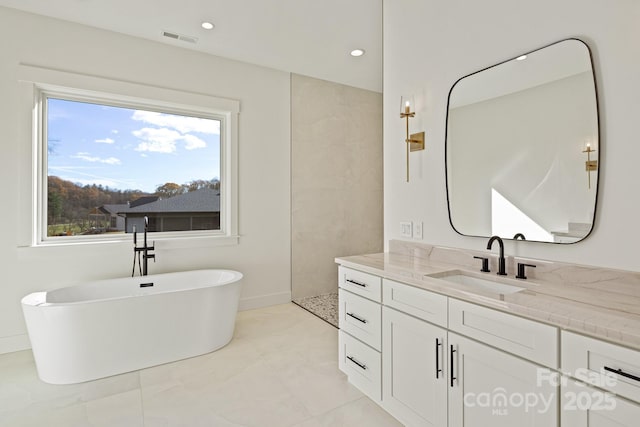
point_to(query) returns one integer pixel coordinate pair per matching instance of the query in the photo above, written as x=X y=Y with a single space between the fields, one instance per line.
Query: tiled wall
x=336 y=180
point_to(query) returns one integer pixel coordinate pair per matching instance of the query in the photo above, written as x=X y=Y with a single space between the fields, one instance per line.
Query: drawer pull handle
x=620 y=372
x=360 y=365
x=364 y=285
x=359 y=319
x=453 y=378
x=438 y=369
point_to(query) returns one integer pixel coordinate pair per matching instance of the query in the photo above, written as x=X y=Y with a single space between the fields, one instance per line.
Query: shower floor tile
x=323 y=306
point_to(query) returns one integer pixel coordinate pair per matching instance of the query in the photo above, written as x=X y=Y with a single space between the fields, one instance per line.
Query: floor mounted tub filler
x=108 y=327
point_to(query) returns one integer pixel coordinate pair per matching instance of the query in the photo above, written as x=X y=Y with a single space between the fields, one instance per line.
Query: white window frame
x=38 y=84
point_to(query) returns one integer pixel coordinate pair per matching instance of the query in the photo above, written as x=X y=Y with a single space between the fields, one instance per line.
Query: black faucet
x=501 y=262
x=519 y=236
x=146 y=256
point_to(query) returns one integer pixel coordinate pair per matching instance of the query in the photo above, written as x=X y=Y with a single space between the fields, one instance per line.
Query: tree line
x=70 y=203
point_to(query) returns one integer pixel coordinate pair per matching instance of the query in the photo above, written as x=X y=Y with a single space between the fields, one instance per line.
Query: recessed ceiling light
x=357 y=52
x=207 y=25
x=521 y=58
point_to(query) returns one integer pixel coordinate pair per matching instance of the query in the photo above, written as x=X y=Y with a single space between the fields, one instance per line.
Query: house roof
x=113 y=209
x=143 y=200
x=205 y=200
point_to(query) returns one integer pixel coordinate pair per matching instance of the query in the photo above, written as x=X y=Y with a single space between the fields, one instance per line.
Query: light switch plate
x=406 y=229
x=417 y=230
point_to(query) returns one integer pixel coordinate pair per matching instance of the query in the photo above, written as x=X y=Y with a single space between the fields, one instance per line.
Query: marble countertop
x=590 y=302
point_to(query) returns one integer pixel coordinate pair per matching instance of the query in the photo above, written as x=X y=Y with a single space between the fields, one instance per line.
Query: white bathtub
x=108 y=327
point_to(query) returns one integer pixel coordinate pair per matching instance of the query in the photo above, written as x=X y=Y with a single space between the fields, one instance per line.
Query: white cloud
x=192 y=142
x=105 y=141
x=183 y=124
x=157 y=140
x=93 y=159
x=164 y=140
x=114 y=131
x=157 y=147
x=71 y=173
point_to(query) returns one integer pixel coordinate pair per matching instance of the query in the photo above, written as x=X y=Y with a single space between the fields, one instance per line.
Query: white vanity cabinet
x=488 y=387
x=414 y=366
x=360 y=335
x=427 y=368
x=440 y=361
x=516 y=335
x=613 y=370
x=586 y=406
x=363 y=284
x=491 y=383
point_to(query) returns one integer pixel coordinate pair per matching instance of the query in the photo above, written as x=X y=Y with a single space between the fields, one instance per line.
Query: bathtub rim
x=39 y=298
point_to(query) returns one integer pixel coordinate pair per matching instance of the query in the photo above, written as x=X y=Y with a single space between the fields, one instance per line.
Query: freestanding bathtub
x=108 y=327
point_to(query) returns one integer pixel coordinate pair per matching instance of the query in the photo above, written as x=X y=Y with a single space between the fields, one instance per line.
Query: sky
x=129 y=149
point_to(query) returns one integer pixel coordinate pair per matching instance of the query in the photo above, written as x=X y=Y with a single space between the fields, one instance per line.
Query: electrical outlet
x=406 y=229
x=417 y=230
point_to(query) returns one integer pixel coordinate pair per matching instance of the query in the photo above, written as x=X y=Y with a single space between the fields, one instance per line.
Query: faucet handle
x=521 y=267
x=485 y=264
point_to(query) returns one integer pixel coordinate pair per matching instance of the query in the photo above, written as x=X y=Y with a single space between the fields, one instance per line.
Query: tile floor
x=323 y=306
x=279 y=370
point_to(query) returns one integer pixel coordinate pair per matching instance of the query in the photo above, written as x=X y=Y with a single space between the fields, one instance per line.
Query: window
x=105 y=161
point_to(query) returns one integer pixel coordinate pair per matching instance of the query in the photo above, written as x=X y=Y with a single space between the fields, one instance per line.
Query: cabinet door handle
x=624 y=374
x=438 y=369
x=364 y=285
x=359 y=319
x=360 y=365
x=453 y=378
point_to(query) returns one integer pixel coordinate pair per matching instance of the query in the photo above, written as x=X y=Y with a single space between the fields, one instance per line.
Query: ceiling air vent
x=182 y=37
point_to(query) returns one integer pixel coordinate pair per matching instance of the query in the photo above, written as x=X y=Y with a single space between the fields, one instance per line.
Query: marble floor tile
x=279 y=370
x=362 y=412
x=254 y=396
x=122 y=410
x=22 y=394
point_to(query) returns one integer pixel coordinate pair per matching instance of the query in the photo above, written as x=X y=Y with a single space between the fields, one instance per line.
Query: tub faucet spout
x=145 y=250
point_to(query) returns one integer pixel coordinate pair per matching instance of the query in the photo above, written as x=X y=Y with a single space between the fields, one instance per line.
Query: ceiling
x=310 y=37
x=542 y=66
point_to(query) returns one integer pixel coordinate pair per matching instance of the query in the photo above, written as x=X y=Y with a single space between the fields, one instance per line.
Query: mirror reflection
x=522 y=147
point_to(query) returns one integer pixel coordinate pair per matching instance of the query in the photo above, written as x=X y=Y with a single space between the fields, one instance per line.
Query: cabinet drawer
x=526 y=338
x=592 y=360
x=416 y=302
x=587 y=406
x=362 y=364
x=361 y=318
x=363 y=284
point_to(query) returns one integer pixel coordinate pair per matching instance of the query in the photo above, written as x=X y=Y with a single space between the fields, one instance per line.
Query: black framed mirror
x=522 y=147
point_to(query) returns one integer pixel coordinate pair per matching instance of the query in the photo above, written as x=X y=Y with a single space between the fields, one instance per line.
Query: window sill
x=161 y=242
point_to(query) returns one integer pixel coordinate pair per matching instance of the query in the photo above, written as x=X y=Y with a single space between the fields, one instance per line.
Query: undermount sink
x=466 y=279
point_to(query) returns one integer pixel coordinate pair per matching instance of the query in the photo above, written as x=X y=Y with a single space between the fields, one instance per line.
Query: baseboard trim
x=14 y=343
x=264 y=301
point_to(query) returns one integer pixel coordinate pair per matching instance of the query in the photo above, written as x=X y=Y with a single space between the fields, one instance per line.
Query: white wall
x=263 y=254
x=429 y=44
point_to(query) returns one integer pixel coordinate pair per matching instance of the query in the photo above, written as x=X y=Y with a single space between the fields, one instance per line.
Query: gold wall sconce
x=590 y=165
x=415 y=141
